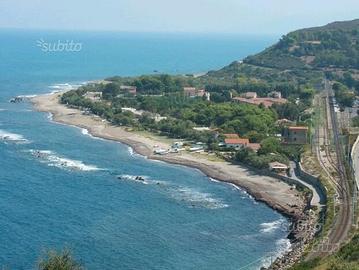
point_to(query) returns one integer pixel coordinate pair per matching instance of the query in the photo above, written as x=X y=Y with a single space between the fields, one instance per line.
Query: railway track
x=344 y=218
x=333 y=165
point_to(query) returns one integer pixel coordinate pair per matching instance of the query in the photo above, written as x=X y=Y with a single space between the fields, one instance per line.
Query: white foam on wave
x=60 y=86
x=84 y=131
x=56 y=88
x=244 y=193
x=130 y=151
x=26 y=97
x=137 y=178
x=54 y=92
x=12 y=137
x=197 y=198
x=282 y=246
x=179 y=193
x=269 y=227
x=64 y=86
x=214 y=180
x=52 y=159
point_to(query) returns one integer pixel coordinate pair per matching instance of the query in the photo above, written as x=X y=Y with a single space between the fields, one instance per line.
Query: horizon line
x=139 y=32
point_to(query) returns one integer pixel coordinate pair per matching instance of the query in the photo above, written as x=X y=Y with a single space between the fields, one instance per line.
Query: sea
x=62 y=188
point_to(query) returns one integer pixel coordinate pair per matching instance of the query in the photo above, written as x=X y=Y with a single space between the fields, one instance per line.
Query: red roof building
x=236 y=143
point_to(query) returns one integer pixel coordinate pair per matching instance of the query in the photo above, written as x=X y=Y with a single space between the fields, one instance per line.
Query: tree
x=254 y=136
x=269 y=145
x=343 y=95
x=243 y=154
x=355 y=121
x=59 y=261
x=111 y=90
x=287 y=110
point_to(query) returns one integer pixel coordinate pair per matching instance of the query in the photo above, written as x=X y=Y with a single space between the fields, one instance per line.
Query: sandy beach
x=277 y=194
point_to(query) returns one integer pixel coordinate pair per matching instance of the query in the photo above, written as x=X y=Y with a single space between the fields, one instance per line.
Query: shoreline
x=253 y=184
x=273 y=192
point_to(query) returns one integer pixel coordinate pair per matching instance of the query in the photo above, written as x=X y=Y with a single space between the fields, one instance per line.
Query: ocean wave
x=52 y=159
x=12 y=137
x=244 y=193
x=197 y=198
x=26 y=97
x=84 y=131
x=3 y=110
x=63 y=86
x=137 y=178
x=214 y=180
x=282 y=246
x=191 y=196
x=60 y=86
x=130 y=151
x=269 y=227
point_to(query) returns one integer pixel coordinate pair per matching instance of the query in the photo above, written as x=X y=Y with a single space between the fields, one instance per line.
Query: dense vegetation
x=181 y=114
x=333 y=45
x=347 y=258
x=59 y=261
x=343 y=95
x=300 y=59
x=271 y=150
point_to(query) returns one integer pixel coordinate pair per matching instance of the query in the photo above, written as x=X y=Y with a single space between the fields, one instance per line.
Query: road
x=316 y=200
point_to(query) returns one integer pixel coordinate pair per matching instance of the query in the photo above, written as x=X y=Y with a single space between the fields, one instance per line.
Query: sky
x=204 y=16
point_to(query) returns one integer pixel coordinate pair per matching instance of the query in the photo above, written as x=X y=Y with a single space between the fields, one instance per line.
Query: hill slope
x=333 y=45
x=300 y=58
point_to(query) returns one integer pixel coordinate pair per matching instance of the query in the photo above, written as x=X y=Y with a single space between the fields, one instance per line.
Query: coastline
x=275 y=193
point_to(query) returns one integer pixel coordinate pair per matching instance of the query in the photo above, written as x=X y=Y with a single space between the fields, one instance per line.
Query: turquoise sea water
x=59 y=186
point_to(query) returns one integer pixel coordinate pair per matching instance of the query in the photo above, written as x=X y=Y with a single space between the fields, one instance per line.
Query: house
x=237 y=144
x=249 y=95
x=295 y=135
x=129 y=89
x=278 y=167
x=274 y=94
x=94 y=96
x=194 y=92
x=190 y=91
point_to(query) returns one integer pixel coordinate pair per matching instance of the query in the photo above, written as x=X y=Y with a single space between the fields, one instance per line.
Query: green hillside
x=333 y=45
